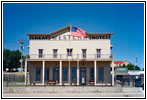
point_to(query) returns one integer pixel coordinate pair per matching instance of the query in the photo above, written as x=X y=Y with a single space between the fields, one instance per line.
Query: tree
x=137 y=68
x=11 y=59
x=6 y=58
x=132 y=67
x=123 y=65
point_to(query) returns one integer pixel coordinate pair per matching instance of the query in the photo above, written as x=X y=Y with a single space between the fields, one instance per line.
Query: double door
x=83 y=76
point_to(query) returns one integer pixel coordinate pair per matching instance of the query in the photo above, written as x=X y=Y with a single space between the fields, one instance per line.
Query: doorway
x=56 y=74
x=83 y=76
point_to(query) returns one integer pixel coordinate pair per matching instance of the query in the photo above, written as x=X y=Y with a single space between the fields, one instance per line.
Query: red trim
x=118 y=62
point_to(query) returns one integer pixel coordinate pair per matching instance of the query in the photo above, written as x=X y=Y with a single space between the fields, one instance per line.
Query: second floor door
x=55 y=53
x=69 y=52
x=84 y=53
x=40 y=53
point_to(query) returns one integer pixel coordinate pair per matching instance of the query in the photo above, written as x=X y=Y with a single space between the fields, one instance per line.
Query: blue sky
x=126 y=20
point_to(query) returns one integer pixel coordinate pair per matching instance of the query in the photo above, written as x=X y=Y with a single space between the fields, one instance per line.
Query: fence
x=13 y=79
x=130 y=81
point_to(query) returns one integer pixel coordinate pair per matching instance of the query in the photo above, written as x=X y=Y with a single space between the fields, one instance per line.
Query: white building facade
x=69 y=60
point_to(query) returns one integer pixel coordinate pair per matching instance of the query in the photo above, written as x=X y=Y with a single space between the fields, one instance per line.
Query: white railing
x=73 y=56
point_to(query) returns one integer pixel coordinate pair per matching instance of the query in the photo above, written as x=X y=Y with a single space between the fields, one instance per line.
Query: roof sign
x=121 y=69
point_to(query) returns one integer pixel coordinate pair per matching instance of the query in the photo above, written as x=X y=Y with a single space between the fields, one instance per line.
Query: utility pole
x=21 y=46
x=136 y=61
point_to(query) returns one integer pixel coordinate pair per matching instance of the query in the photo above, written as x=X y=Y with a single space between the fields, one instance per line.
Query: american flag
x=77 y=32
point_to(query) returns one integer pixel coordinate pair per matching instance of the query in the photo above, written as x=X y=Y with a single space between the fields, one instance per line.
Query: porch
x=70 y=72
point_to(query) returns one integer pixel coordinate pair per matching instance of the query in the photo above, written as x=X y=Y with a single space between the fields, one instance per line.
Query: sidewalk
x=48 y=95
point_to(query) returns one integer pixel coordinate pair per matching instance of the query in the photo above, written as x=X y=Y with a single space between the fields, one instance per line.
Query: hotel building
x=69 y=60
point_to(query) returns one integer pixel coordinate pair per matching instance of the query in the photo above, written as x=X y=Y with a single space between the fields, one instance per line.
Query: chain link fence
x=13 y=79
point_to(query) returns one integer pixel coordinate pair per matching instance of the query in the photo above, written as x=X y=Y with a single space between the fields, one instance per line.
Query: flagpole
x=70 y=34
x=70 y=28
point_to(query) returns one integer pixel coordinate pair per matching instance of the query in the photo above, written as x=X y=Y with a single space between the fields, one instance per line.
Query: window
x=74 y=73
x=55 y=53
x=46 y=74
x=37 y=73
x=69 y=52
x=98 y=51
x=84 y=53
x=40 y=53
x=101 y=74
x=91 y=74
x=65 y=74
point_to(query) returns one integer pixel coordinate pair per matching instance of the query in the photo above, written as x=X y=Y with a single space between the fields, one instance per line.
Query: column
x=43 y=72
x=60 y=78
x=78 y=72
x=112 y=65
x=25 y=72
x=69 y=73
x=95 y=68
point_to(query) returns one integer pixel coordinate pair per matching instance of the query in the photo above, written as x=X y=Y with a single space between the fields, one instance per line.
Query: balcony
x=72 y=57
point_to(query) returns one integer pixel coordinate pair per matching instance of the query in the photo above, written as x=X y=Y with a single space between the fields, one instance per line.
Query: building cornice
x=64 y=28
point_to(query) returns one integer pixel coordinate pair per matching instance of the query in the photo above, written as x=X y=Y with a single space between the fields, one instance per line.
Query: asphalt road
x=47 y=95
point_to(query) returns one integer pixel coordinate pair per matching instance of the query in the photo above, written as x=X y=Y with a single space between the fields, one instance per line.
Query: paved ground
x=73 y=95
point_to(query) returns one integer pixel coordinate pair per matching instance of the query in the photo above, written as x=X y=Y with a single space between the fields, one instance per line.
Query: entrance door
x=56 y=74
x=65 y=74
x=74 y=75
x=101 y=74
x=46 y=74
x=83 y=75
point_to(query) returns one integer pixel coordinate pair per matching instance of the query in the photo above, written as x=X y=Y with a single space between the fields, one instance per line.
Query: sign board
x=121 y=69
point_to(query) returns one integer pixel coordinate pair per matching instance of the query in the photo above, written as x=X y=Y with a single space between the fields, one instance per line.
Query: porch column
x=78 y=72
x=95 y=68
x=112 y=65
x=69 y=73
x=43 y=72
x=60 y=82
x=25 y=72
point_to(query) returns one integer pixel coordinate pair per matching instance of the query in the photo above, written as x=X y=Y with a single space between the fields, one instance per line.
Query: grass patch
x=16 y=73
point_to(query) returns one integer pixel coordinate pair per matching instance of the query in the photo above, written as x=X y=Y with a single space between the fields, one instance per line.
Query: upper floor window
x=84 y=53
x=55 y=53
x=69 y=52
x=98 y=51
x=40 y=53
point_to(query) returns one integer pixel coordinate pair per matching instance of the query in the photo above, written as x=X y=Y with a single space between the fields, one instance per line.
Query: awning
x=134 y=72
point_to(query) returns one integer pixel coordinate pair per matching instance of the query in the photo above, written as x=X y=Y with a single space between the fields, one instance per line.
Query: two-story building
x=70 y=60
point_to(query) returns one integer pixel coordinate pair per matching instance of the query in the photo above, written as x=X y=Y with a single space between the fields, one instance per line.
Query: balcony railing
x=73 y=56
